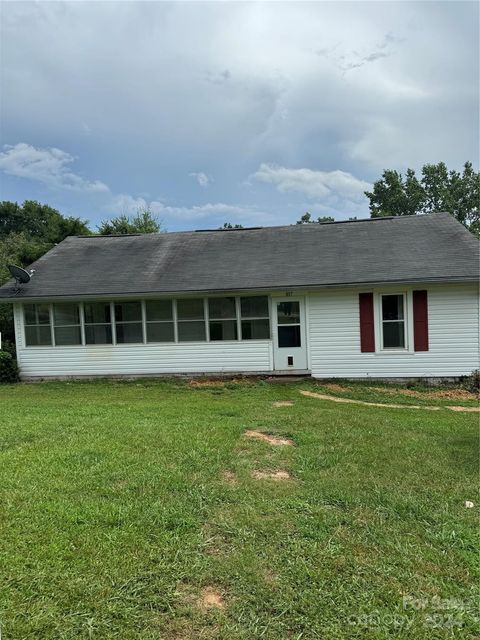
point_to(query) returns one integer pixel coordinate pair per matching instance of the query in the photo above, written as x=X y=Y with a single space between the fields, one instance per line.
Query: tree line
x=437 y=189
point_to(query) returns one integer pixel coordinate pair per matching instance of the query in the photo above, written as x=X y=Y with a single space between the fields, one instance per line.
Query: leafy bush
x=472 y=382
x=8 y=368
x=9 y=347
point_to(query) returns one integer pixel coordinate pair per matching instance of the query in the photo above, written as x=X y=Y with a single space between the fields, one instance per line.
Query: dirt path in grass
x=323 y=396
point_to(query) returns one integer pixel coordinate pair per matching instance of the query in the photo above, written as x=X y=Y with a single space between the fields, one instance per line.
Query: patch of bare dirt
x=454 y=394
x=206 y=383
x=284 y=379
x=219 y=382
x=323 y=396
x=276 y=441
x=271 y=577
x=271 y=475
x=332 y=386
x=283 y=403
x=210 y=598
x=229 y=477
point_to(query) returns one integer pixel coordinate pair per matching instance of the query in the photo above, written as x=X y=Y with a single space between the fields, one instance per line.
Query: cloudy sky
x=244 y=112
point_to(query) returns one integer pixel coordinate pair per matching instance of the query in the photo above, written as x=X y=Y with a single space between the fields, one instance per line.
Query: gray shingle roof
x=403 y=249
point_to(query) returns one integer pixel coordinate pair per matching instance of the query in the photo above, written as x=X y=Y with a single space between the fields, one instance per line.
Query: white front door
x=289 y=339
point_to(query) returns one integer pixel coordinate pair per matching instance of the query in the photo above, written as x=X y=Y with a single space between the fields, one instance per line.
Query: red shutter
x=367 y=328
x=420 y=320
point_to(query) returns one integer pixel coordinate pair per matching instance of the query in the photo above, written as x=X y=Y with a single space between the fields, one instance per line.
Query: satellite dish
x=21 y=276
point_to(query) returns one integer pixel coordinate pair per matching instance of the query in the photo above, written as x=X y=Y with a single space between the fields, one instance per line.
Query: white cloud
x=49 y=166
x=202 y=179
x=317 y=185
x=125 y=203
x=348 y=60
x=216 y=213
x=356 y=86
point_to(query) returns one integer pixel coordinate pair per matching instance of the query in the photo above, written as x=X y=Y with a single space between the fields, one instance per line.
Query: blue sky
x=243 y=112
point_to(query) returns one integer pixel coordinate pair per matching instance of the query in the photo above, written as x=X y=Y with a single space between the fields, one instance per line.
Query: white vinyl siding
x=333 y=343
x=453 y=321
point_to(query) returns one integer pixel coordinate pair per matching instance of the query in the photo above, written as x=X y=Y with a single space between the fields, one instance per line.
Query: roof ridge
x=258 y=228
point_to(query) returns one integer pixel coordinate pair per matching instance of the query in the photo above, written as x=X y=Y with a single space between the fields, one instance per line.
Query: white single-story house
x=382 y=298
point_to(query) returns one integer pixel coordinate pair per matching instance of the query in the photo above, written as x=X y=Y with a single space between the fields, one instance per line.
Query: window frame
x=270 y=309
x=114 y=322
x=147 y=322
x=407 y=322
x=80 y=324
x=50 y=325
x=188 y=320
x=143 y=302
x=98 y=324
x=236 y=302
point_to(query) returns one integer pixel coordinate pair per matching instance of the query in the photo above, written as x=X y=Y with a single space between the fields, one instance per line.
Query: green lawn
x=120 y=503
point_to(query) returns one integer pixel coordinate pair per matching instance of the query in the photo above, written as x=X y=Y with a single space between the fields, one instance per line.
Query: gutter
x=192 y=292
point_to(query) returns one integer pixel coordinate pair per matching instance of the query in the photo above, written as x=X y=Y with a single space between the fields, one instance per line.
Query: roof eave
x=285 y=287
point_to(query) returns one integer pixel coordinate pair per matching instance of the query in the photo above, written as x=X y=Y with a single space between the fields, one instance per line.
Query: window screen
x=98 y=327
x=222 y=313
x=255 y=318
x=159 y=316
x=191 y=320
x=66 y=320
x=128 y=322
x=37 y=325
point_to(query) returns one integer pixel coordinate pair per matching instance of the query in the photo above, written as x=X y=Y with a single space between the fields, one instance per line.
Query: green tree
x=27 y=231
x=15 y=248
x=229 y=225
x=307 y=219
x=39 y=221
x=437 y=190
x=144 y=221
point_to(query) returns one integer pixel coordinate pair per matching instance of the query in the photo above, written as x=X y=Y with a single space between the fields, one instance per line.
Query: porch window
x=128 y=322
x=38 y=330
x=255 y=318
x=191 y=320
x=159 y=319
x=98 y=326
x=216 y=319
x=66 y=321
x=222 y=313
x=393 y=321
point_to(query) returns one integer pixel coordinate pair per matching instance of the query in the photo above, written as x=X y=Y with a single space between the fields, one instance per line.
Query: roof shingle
x=402 y=249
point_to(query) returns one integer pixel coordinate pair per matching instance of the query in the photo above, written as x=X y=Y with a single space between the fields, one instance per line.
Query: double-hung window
x=98 y=325
x=66 y=322
x=128 y=322
x=191 y=320
x=38 y=330
x=393 y=325
x=222 y=313
x=255 y=318
x=159 y=319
